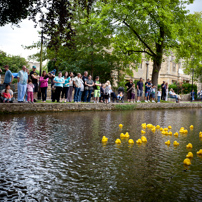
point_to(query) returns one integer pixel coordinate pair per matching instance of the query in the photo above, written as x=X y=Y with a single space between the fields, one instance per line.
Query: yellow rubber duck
x=104 y=139
x=189 y=146
x=169 y=127
x=161 y=129
x=120 y=125
x=175 y=143
x=190 y=155
x=157 y=127
x=187 y=162
x=200 y=134
x=130 y=141
x=118 y=141
x=170 y=133
x=122 y=135
x=139 y=141
x=149 y=125
x=185 y=131
x=168 y=142
x=153 y=130
x=163 y=132
x=127 y=135
x=181 y=130
x=144 y=139
x=143 y=132
x=199 y=152
x=176 y=134
x=166 y=129
x=144 y=126
x=191 y=127
x=166 y=133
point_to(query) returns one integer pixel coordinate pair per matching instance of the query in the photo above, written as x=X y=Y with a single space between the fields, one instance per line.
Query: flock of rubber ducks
x=164 y=131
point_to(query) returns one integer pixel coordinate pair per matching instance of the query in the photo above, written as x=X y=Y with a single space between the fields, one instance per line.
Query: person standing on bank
x=8 y=75
x=58 y=80
x=22 y=83
x=34 y=76
x=89 y=83
x=163 y=90
x=65 y=86
x=69 y=95
x=77 y=83
x=44 y=85
x=129 y=89
x=84 y=78
x=139 y=89
x=97 y=89
x=51 y=77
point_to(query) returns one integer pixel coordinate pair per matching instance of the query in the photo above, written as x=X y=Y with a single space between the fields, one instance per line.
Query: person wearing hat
x=34 y=76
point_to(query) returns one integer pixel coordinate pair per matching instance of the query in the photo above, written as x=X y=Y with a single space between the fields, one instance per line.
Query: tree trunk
x=155 y=73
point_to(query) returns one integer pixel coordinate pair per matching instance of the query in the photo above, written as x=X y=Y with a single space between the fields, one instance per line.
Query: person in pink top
x=30 y=89
x=44 y=85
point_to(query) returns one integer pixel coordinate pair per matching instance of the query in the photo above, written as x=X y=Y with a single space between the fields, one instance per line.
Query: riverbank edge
x=18 y=108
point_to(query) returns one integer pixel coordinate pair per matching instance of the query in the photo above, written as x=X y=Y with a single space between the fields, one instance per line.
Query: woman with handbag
x=89 y=83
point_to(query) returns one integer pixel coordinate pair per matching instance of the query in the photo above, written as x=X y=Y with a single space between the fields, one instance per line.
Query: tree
x=13 y=11
x=190 y=47
x=149 y=27
x=15 y=62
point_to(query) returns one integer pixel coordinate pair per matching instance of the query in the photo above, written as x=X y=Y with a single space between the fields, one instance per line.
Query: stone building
x=170 y=71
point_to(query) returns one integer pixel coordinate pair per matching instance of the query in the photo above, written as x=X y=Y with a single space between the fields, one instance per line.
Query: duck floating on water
x=199 y=152
x=127 y=135
x=187 y=162
x=153 y=130
x=189 y=146
x=168 y=142
x=169 y=127
x=131 y=141
x=191 y=127
x=175 y=143
x=122 y=135
x=200 y=134
x=144 y=139
x=190 y=155
x=104 y=139
x=118 y=141
x=139 y=141
x=170 y=133
x=120 y=125
x=165 y=129
x=161 y=129
x=143 y=132
x=157 y=127
x=176 y=134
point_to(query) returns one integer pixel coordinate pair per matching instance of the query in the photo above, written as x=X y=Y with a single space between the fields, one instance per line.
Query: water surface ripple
x=60 y=157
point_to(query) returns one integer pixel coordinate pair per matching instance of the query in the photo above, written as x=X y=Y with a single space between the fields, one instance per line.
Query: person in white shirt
x=77 y=82
x=159 y=95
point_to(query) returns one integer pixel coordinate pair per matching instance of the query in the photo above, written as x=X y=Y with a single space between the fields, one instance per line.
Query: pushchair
x=120 y=90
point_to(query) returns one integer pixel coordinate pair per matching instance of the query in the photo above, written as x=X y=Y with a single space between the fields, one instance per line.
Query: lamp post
x=41 y=25
x=147 y=64
x=192 y=69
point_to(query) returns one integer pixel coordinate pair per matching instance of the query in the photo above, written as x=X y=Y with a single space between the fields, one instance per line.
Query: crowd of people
x=62 y=87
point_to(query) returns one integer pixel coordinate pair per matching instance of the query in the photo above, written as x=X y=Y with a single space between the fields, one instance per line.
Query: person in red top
x=6 y=94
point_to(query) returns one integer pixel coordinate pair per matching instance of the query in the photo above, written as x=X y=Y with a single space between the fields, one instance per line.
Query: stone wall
x=64 y=107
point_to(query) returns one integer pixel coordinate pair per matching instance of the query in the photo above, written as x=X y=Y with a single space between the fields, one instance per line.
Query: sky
x=12 y=38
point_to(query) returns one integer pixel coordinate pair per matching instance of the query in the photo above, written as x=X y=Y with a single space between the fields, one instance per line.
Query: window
x=174 y=67
x=140 y=66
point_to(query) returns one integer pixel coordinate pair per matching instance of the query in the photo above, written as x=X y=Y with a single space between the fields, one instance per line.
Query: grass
x=125 y=107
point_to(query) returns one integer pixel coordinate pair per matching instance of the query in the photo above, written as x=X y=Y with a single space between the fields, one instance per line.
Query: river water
x=60 y=157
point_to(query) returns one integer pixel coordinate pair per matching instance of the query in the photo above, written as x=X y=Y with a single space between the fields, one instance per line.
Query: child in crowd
x=6 y=96
x=30 y=87
x=153 y=92
x=159 y=95
x=120 y=96
x=133 y=93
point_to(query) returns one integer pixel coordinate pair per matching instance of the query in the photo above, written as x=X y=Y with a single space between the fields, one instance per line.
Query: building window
x=174 y=67
x=140 y=66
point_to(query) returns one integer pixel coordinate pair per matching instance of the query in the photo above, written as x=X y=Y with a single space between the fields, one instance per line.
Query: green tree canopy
x=15 y=63
x=151 y=27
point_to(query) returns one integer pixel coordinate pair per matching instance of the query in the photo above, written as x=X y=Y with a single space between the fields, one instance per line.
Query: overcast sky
x=12 y=38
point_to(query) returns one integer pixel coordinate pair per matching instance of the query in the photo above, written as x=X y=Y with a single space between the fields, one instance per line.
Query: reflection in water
x=60 y=157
